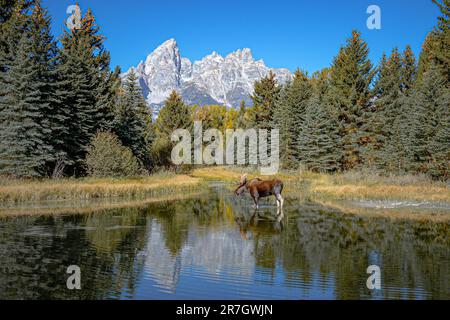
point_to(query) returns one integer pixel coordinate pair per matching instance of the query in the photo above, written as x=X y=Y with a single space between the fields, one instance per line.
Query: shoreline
x=342 y=186
x=85 y=195
x=15 y=192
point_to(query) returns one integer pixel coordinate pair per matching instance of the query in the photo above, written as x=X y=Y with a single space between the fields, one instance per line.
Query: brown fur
x=259 y=189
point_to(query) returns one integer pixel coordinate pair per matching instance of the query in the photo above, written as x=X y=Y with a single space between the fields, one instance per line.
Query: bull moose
x=259 y=189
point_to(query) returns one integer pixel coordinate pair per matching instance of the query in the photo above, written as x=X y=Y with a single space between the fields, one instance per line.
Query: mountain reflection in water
x=214 y=246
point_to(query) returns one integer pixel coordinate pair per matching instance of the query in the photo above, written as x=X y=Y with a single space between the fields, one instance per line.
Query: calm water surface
x=213 y=246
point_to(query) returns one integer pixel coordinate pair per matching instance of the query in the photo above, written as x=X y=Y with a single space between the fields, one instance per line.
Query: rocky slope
x=212 y=80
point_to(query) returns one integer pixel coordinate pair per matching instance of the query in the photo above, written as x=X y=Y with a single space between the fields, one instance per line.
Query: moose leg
x=280 y=200
x=256 y=199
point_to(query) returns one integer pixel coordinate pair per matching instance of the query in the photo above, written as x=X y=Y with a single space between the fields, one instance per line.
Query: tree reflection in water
x=217 y=246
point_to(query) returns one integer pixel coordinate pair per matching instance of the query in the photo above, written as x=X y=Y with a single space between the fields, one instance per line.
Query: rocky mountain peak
x=211 y=80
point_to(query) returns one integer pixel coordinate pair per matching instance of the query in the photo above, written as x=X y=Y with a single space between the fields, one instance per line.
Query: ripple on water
x=212 y=248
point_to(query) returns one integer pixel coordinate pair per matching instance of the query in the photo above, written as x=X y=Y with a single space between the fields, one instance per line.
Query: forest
x=65 y=112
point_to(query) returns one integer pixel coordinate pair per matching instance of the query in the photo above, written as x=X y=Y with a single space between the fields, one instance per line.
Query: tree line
x=392 y=117
x=64 y=112
x=55 y=95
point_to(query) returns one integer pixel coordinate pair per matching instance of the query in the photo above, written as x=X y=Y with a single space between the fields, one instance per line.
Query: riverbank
x=21 y=195
x=13 y=192
x=341 y=186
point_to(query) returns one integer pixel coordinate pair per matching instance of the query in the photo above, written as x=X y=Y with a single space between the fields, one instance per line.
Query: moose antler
x=243 y=178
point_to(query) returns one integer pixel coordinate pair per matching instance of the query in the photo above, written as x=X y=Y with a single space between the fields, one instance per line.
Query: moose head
x=242 y=185
x=260 y=189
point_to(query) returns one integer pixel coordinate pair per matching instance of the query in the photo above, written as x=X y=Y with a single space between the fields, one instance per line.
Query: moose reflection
x=213 y=246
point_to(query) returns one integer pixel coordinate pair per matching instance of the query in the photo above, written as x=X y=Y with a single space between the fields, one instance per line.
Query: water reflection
x=217 y=246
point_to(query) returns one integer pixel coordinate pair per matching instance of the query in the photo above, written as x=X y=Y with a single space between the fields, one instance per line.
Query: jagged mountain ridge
x=211 y=80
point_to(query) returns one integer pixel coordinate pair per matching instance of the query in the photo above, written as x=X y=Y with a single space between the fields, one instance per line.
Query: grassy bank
x=75 y=206
x=298 y=184
x=13 y=192
x=342 y=186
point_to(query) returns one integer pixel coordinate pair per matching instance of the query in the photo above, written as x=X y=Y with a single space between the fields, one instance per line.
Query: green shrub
x=107 y=157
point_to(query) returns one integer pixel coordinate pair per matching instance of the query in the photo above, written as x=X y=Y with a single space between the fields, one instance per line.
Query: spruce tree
x=24 y=128
x=289 y=116
x=436 y=47
x=133 y=120
x=84 y=74
x=388 y=108
x=8 y=7
x=441 y=52
x=26 y=105
x=408 y=71
x=174 y=115
x=241 y=121
x=428 y=144
x=320 y=82
x=348 y=97
x=318 y=142
x=440 y=145
x=265 y=95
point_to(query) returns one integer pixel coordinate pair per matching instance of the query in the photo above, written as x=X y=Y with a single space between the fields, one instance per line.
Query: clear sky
x=284 y=33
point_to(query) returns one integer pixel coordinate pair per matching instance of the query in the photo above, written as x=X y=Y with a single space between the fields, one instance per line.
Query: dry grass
x=90 y=206
x=19 y=191
x=402 y=213
x=298 y=184
x=349 y=186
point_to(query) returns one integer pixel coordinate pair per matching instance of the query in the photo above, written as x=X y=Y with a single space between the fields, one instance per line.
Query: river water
x=215 y=246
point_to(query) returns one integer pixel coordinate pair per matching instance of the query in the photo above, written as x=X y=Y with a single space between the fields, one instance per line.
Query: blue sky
x=284 y=33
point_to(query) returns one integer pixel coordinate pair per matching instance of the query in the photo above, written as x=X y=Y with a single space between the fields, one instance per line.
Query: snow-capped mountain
x=212 y=80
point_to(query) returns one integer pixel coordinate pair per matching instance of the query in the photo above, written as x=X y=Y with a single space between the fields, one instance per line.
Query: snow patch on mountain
x=212 y=80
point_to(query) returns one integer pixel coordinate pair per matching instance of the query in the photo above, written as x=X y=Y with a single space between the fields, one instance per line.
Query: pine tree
x=174 y=115
x=348 y=97
x=428 y=115
x=440 y=145
x=241 y=121
x=84 y=92
x=26 y=111
x=408 y=71
x=428 y=144
x=289 y=115
x=133 y=120
x=436 y=47
x=265 y=95
x=319 y=139
x=320 y=81
x=8 y=7
x=24 y=131
x=388 y=107
x=442 y=47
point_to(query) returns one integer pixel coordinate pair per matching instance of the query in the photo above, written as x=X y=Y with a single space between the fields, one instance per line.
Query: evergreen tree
x=408 y=71
x=289 y=115
x=26 y=105
x=14 y=22
x=133 y=120
x=318 y=142
x=348 y=97
x=440 y=145
x=174 y=115
x=320 y=82
x=441 y=50
x=436 y=47
x=388 y=108
x=84 y=72
x=265 y=96
x=8 y=7
x=241 y=121
x=428 y=143
x=14 y=19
